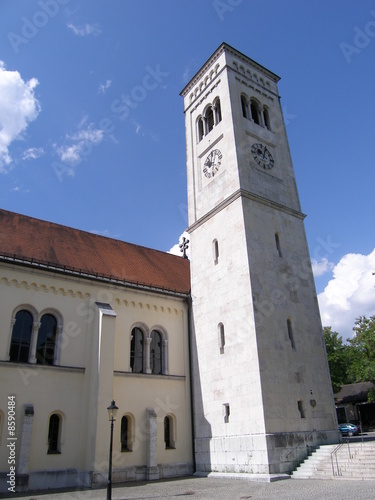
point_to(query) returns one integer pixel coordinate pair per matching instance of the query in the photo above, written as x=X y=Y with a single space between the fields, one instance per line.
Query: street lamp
x=112 y=411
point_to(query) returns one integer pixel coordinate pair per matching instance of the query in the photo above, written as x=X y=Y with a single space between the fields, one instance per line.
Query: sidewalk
x=223 y=489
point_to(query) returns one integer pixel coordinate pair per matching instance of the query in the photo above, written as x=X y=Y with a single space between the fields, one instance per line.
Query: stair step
x=359 y=465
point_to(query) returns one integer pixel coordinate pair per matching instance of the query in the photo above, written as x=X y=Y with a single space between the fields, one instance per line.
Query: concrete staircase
x=354 y=461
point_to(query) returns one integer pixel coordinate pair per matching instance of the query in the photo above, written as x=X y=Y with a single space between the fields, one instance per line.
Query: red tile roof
x=39 y=242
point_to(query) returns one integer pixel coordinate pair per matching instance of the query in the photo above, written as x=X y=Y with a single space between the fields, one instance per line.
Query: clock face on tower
x=262 y=155
x=212 y=163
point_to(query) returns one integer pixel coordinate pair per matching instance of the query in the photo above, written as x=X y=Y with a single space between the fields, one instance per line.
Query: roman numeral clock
x=212 y=163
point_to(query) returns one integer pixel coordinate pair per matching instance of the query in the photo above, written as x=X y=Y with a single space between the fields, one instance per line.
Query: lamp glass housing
x=112 y=411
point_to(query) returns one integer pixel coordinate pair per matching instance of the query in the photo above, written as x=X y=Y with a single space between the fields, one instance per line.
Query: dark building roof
x=353 y=393
x=28 y=241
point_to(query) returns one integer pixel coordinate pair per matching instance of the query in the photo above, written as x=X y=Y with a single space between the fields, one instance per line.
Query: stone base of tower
x=243 y=476
x=261 y=455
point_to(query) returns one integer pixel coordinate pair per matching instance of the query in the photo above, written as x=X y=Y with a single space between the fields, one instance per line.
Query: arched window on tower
x=217 y=106
x=209 y=119
x=156 y=350
x=45 y=348
x=200 y=129
x=266 y=118
x=21 y=337
x=245 y=107
x=136 y=351
x=255 y=112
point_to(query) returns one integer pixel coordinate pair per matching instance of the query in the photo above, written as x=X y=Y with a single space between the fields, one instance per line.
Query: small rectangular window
x=290 y=334
x=215 y=251
x=300 y=409
x=221 y=338
x=278 y=248
x=226 y=412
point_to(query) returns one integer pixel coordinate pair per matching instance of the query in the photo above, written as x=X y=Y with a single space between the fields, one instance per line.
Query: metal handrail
x=300 y=444
x=337 y=464
x=334 y=452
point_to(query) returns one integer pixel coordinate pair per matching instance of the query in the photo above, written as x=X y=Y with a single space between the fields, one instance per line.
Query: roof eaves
x=24 y=261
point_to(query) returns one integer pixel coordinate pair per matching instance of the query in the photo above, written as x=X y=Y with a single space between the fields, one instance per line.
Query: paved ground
x=224 y=489
x=228 y=489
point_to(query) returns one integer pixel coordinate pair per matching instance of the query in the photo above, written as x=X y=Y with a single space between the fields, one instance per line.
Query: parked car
x=348 y=429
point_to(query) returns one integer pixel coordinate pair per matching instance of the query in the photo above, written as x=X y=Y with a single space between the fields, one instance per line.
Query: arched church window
x=169 y=432
x=54 y=434
x=156 y=350
x=45 y=348
x=136 y=351
x=21 y=337
x=126 y=433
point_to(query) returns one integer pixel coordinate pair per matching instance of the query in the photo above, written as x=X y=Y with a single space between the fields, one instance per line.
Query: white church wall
x=91 y=369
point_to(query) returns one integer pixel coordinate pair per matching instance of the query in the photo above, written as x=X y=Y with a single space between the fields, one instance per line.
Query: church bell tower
x=261 y=383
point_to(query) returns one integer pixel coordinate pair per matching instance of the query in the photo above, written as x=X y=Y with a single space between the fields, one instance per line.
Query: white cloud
x=138 y=127
x=176 y=250
x=350 y=294
x=321 y=267
x=89 y=134
x=104 y=86
x=70 y=154
x=18 y=107
x=32 y=153
x=81 y=144
x=85 y=29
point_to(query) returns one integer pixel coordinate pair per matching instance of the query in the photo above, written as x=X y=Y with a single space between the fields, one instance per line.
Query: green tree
x=362 y=352
x=337 y=354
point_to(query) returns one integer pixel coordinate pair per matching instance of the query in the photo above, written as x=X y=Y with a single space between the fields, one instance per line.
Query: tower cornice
x=242 y=193
x=224 y=47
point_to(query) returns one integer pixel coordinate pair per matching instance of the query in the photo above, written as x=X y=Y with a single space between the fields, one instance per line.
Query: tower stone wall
x=260 y=375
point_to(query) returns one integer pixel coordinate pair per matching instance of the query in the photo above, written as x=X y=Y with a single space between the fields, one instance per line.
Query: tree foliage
x=362 y=352
x=354 y=361
x=337 y=354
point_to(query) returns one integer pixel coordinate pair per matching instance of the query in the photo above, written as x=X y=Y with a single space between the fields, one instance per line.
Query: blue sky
x=92 y=126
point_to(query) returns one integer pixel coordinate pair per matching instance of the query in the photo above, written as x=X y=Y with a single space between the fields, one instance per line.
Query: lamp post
x=112 y=411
